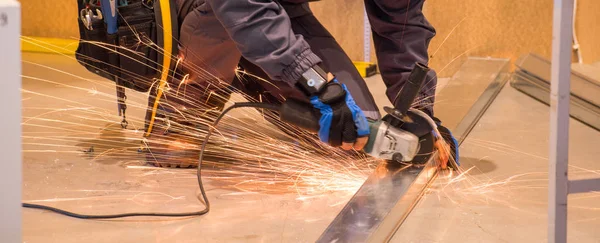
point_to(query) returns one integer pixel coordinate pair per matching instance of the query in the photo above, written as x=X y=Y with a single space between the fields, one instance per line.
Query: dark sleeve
x=401 y=35
x=262 y=32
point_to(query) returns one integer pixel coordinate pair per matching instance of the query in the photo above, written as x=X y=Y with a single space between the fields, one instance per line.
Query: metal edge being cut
x=390 y=193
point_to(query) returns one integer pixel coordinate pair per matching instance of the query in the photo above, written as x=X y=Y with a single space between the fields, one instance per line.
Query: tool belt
x=132 y=44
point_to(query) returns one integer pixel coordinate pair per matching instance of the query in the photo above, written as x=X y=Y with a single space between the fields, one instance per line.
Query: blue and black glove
x=342 y=121
x=450 y=140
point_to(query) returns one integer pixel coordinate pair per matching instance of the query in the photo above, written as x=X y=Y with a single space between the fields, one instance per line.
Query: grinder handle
x=301 y=114
x=411 y=88
x=305 y=116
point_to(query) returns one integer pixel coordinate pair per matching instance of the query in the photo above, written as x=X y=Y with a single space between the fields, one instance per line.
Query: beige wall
x=497 y=28
x=50 y=18
x=344 y=19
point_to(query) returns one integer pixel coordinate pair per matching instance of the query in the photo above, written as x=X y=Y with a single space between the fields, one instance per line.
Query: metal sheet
x=477 y=110
x=375 y=200
x=380 y=206
x=582 y=86
x=539 y=89
x=476 y=76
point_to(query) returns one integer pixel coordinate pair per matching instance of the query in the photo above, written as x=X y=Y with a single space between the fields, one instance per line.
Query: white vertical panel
x=10 y=124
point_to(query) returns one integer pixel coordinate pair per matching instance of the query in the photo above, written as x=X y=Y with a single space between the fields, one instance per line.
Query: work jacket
x=262 y=33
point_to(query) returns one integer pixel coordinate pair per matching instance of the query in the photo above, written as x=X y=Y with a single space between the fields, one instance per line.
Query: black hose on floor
x=198 y=175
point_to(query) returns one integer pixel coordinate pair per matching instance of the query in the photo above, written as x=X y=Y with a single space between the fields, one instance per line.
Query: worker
x=274 y=45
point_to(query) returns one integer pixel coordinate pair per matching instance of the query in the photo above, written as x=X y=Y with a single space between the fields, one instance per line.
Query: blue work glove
x=450 y=140
x=342 y=122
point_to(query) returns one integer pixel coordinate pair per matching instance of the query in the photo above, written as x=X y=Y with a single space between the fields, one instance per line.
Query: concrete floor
x=65 y=114
x=503 y=198
x=63 y=117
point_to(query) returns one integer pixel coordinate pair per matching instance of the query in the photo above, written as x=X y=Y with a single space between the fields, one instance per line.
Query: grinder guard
x=393 y=139
x=391 y=143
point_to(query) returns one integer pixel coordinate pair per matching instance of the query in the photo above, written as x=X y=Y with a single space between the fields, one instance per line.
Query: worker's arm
x=262 y=32
x=401 y=35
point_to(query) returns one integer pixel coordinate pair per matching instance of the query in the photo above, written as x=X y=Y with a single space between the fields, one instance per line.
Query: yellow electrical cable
x=165 y=10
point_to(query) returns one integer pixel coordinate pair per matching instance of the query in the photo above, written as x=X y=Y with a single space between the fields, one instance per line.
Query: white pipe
x=576 y=46
x=558 y=179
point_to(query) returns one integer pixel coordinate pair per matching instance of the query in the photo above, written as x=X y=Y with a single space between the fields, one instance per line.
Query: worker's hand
x=342 y=122
x=447 y=146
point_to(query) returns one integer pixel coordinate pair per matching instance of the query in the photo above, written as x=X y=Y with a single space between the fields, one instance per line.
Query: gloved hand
x=342 y=122
x=451 y=152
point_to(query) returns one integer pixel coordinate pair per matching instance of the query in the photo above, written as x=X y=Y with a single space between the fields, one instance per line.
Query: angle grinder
x=404 y=135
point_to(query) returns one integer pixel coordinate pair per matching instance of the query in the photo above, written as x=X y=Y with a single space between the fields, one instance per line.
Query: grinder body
x=397 y=137
x=391 y=143
x=385 y=141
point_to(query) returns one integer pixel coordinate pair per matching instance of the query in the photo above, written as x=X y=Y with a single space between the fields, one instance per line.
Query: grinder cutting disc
x=426 y=149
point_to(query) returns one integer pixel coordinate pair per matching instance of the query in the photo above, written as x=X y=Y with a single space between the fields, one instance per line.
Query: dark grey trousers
x=401 y=35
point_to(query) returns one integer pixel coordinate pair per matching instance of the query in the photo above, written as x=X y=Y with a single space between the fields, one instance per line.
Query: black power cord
x=198 y=175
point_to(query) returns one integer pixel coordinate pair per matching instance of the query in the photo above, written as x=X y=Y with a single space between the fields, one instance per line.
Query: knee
x=393 y=15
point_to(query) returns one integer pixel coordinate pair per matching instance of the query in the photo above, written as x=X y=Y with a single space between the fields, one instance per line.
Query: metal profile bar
x=538 y=89
x=387 y=197
x=480 y=106
x=10 y=125
x=368 y=208
x=581 y=186
x=562 y=29
x=583 y=85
